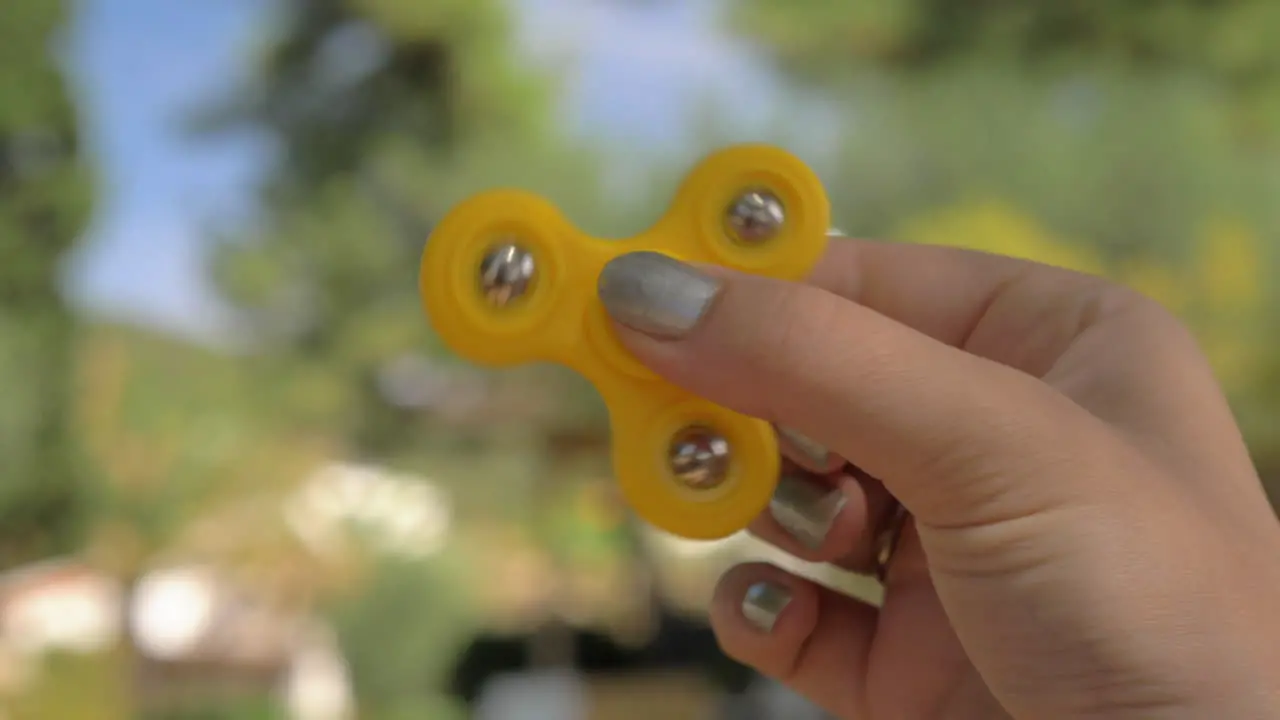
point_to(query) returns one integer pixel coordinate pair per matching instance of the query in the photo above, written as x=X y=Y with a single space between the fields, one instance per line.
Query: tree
x=386 y=113
x=182 y=452
x=1140 y=135
x=45 y=194
x=1228 y=39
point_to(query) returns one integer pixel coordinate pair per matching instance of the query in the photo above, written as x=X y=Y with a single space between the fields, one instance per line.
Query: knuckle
x=789 y=330
x=1149 y=321
x=1111 y=300
x=1020 y=434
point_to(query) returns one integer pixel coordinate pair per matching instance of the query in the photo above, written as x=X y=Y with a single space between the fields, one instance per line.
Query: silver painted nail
x=813 y=450
x=805 y=508
x=763 y=603
x=656 y=294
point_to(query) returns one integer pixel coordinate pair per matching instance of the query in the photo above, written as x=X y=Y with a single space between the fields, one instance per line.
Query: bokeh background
x=239 y=478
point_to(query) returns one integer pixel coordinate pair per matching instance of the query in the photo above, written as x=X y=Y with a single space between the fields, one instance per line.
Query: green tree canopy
x=45 y=194
x=1232 y=39
x=386 y=113
x=1140 y=133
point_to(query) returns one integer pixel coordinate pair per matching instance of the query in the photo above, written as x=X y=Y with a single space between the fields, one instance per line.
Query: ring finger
x=831 y=518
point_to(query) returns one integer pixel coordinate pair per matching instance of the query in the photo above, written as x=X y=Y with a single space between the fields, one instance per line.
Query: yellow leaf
x=1159 y=283
x=1230 y=263
x=995 y=227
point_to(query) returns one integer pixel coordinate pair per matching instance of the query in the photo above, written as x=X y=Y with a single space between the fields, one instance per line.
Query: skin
x=1089 y=538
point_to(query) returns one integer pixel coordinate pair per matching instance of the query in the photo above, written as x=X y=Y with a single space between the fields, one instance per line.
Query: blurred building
x=196 y=634
x=397 y=513
x=58 y=605
x=562 y=662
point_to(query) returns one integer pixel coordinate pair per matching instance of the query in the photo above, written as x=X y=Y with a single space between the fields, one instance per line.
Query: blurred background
x=239 y=478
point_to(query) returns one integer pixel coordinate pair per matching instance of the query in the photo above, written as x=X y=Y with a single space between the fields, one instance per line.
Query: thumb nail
x=656 y=294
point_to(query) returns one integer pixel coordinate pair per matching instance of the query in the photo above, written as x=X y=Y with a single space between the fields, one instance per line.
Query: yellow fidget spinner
x=507 y=279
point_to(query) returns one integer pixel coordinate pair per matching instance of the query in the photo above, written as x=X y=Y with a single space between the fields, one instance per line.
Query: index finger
x=943 y=292
x=1108 y=348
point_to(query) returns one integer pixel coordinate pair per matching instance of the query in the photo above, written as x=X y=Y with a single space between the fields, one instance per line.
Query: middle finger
x=828 y=518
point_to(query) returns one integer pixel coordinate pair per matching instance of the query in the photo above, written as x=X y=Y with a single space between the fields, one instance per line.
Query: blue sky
x=138 y=65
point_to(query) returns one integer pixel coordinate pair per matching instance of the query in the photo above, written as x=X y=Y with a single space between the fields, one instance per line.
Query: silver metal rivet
x=755 y=216
x=506 y=273
x=699 y=458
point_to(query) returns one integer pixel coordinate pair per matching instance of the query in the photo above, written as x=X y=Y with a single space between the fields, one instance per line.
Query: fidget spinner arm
x=506 y=279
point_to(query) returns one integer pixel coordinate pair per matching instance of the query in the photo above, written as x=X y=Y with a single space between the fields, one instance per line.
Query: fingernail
x=763 y=603
x=834 y=232
x=806 y=509
x=655 y=294
x=814 y=451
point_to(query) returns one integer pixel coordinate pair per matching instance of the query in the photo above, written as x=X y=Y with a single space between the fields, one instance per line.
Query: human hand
x=1087 y=534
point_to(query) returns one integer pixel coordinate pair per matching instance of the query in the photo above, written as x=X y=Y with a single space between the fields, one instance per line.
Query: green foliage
x=387 y=113
x=1134 y=165
x=239 y=708
x=1133 y=139
x=45 y=192
x=159 y=463
x=30 y=83
x=400 y=636
x=437 y=108
x=342 y=76
x=98 y=695
x=1231 y=40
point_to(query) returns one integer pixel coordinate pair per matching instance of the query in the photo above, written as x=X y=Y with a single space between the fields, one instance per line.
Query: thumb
x=956 y=438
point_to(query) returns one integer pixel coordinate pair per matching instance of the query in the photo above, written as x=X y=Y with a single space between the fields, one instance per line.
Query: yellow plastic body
x=560 y=319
